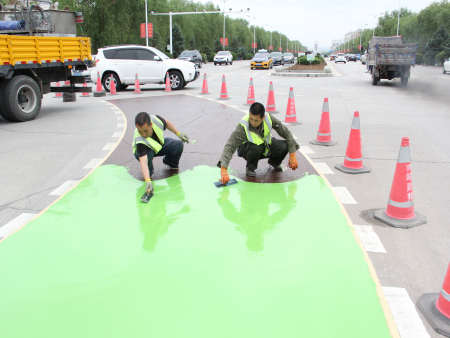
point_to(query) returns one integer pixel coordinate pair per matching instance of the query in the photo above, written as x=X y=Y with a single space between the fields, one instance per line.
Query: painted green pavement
x=249 y=260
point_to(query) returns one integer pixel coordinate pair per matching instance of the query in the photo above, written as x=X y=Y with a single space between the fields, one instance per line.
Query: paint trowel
x=230 y=182
x=146 y=197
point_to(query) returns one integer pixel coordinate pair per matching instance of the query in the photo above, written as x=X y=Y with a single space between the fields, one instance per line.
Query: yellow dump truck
x=30 y=60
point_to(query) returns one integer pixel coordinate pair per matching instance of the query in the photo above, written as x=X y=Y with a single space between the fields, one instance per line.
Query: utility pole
x=146 y=24
x=254 y=31
x=224 y=23
x=398 y=21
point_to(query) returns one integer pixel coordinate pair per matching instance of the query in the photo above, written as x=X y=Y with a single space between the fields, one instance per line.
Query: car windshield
x=159 y=53
x=186 y=53
x=275 y=55
x=340 y=55
x=222 y=53
x=261 y=55
x=287 y=54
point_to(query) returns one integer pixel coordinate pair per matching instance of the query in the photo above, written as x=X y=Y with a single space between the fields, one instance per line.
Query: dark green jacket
x=239 y=136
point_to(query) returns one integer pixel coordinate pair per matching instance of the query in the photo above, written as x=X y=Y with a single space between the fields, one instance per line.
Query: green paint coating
x=193 y=141
x=250 y=260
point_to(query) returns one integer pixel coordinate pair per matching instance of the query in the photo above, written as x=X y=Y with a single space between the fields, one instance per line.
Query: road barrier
x=324 y=133
x=291 y=115
x=270 y=107
x=205 y=85
x=250 y=94
x=223 y=90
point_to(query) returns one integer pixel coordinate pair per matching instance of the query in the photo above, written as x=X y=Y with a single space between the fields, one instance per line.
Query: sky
x=323 y=21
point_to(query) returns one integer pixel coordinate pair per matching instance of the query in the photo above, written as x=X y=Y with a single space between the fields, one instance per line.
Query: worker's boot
x=250 y=173
x=278 y=167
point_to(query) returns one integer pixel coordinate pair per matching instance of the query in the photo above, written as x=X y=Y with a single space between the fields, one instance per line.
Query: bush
x=303 y=60
x=211 y=56
x=419 y=58
x=440 y=57
x=429 y=58
x=169 y=55
x=249 y=56
x=234 y=55
x=204 y=58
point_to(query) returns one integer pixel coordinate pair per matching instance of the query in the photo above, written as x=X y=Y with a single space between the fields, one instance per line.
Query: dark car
x=191 y=56
x=351 y=57
x=277 y=58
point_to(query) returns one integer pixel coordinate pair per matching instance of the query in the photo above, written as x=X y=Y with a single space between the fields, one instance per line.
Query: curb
x=303 y=74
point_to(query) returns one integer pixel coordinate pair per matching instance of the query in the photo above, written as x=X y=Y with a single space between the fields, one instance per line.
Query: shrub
x=204 y=58
x=249 y=56
x=169 y=55
x=211 y=56
x=440 y=57
x=429 y=58
x=234 y=55
x=419 y=58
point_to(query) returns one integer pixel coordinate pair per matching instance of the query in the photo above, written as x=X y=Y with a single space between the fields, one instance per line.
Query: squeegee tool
x=146 y=197
x=220 y=185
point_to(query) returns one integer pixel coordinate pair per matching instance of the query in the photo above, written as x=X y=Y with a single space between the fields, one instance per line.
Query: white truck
x=390 y=58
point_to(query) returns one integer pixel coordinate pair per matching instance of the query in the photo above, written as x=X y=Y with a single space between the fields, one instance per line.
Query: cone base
x=273 y=112
x=292 y=123
x=439 y=322
x=205 y=93
x=112 y=94
x=223 y=98
x=137 y=92
x=318 y=143
x=346 y=170
x=399 y=223
x=99 y=94
x=85 y=95
x=248 y=104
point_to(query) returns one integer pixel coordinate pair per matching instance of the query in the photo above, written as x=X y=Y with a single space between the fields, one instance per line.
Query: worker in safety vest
x=149 y=142
x=254 y=141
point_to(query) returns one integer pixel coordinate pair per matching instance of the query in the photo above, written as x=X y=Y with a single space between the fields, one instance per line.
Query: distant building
x=316 y=46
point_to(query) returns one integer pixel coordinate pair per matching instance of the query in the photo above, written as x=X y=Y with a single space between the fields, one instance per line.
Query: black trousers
x=253 y=153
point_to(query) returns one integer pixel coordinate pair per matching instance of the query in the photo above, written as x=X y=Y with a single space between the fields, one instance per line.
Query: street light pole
x=360 y=34
x=146 y=24
x=224 y=23
x=271 y=31
x=375 y=20
x=398 y=21
x=254 y=31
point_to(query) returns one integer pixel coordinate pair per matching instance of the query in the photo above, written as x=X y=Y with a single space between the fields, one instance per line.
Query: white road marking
x=344 y=195
x=119 y=117
x=324 y=168
x=113 y=107
x=16 y=223
x=300 y=95
x=369 y=238
x=109 y=146
x=117 y=112
x=63 y=188
x=93 y=163
x=233 y=106
x=306 y=150
x=117 y=134
x=276 y=92
x=405 y=314
x=120 y=125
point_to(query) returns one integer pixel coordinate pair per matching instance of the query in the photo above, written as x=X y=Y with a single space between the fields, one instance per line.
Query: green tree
x=157 y=41
x=177 y=40
x=440 y=41
x=234 y=45
x=206 y=49
x=192 y=42
x=217 y=45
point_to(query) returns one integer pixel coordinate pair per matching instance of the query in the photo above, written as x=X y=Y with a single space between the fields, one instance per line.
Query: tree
x=192 y=42
x=440 y=41
x=157 y=41
x=177 y=40
x=217 y=45
x=234 y=45
x=259 y=44
x=206 y=49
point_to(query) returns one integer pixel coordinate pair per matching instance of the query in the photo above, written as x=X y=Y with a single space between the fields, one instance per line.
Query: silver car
x=288 y=57
x=446 y=66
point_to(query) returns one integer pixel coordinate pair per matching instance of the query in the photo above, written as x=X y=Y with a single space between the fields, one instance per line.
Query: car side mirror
x=157 y=58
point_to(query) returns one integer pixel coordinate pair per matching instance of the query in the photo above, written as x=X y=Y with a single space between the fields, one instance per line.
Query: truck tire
x=375 y=79
x=176 y=80
x=404 y=81
x=3 y=112
x=107 y=82
x=22 y=98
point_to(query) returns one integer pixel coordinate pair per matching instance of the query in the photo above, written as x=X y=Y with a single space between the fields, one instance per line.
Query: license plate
x=258 y=64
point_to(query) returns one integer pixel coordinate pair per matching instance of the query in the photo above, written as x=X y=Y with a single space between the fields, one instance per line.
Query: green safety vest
x=158 y=128
x=255 y=138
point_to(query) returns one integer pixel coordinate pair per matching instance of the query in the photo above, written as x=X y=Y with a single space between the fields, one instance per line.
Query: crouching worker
x=149 y=142
x=253 y=140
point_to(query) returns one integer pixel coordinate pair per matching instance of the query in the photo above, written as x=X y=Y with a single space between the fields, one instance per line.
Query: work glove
x=183 y=137
x=293 y=164
x=148 y=185
x=224 y=176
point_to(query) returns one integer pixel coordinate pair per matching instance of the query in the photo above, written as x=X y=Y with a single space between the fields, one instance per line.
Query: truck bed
x=391 y=51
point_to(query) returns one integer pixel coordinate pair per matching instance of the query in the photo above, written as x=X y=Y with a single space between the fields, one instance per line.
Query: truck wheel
x=199 y=64
x=107 y=81
x=3 y=112
x=176 y=80
x=404 y=81
x=375 y=79
x=22 y=98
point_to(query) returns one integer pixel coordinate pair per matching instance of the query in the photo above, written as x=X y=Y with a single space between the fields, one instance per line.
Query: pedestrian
x=253 y=140
x=149 y=142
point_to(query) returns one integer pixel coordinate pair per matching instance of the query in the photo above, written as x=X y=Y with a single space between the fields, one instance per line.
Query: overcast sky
x=324 y=21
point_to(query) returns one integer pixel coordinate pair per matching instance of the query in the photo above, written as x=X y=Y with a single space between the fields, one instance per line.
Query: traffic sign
x=310 y=57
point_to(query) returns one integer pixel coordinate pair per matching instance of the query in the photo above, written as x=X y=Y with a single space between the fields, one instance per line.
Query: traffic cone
x=58 y=94
x=270 y=106
x=137 y=87
x=168 y=87
x=250 y=94
x=223 y=91
x=353 y=163
x=291 y=116
x=324 y=133
x=99 y=91
x=85 y=94
x=112 y=86
x=400 y=208
x=436 y=307
x=205 y=86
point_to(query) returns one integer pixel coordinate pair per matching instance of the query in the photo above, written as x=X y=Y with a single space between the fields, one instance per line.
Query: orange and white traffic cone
x=223 y=90
x=436 y=307
x=168 y=87
x=270 y=106
x=250 y=94
x=137 y=87
x=99 y=90
x=85 y=94
x=112 y=86
x=205 y=86
x=353 y=162
x=58 y=94
x=400 y=208
x=291 y=115
x=324 y=133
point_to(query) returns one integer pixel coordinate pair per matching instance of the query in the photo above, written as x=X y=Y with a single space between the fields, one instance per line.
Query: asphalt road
x=39 y=156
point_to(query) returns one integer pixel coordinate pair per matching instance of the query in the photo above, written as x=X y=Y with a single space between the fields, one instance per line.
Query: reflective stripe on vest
x=255 y=138
x=158 y=128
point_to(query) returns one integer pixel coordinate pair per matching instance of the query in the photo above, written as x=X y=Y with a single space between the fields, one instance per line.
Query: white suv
x=223 y=57
x=151 y=66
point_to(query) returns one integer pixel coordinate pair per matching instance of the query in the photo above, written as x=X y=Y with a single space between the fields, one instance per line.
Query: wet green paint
x=249 y=260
